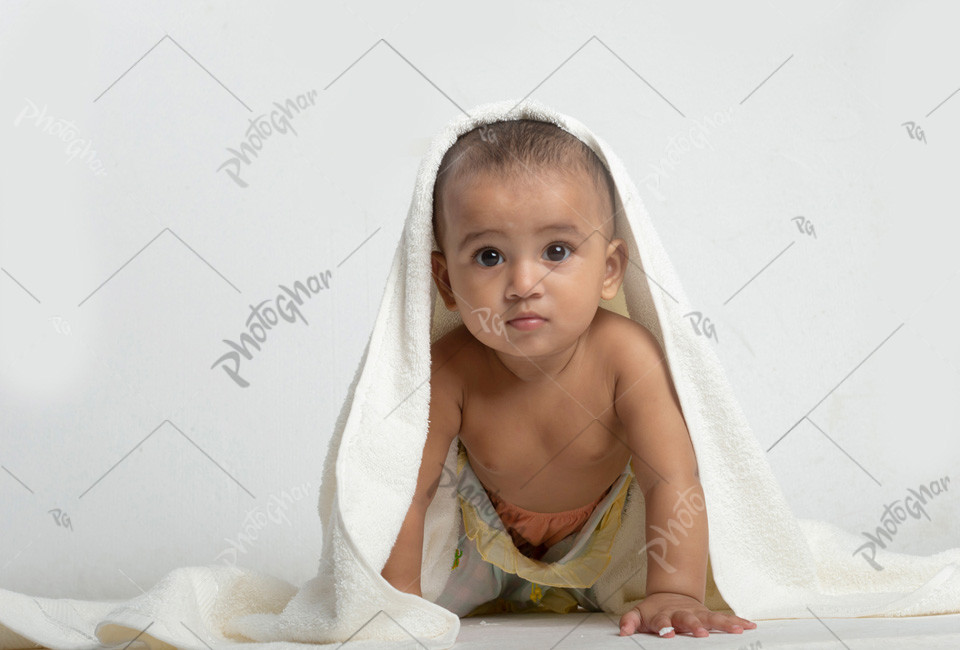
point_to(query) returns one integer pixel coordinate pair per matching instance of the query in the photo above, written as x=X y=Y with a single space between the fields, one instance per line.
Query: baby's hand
x=681 y=613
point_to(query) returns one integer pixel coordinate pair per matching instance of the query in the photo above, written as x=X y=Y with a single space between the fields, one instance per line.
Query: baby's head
x=523 y=215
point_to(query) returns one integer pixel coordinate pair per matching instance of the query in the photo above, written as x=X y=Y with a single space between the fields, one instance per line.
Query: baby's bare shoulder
x=451 y=354
x=446 y=388
x=624 y=339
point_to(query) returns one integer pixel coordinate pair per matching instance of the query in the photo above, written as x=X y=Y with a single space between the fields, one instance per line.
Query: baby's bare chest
x=518 y=428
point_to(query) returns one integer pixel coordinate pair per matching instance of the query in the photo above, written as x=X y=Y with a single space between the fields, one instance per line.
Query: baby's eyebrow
x=556 y=227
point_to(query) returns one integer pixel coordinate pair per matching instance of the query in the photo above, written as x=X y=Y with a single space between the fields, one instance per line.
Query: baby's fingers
x=662 y=624
x=633 y=621
x=727 y=623
x=690 y=622
x=630 y=622
x=736 y=620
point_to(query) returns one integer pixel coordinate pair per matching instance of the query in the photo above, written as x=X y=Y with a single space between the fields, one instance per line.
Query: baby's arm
x=666 y=469
x=402 y=569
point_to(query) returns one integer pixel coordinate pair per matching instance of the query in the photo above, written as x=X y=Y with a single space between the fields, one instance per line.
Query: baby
x=554 y=398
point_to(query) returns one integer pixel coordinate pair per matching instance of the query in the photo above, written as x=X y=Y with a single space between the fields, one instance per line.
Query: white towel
x=764 y=561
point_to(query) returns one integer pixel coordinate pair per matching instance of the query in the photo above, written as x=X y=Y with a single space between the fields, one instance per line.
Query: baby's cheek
x=485 y=324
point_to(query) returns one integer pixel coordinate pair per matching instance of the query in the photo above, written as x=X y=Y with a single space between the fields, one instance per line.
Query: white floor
x=596 y=630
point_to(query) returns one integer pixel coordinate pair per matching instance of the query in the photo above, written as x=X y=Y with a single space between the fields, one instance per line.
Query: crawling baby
x=558 y=403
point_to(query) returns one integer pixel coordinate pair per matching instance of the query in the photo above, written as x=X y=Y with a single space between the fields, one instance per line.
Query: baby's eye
x=557 y=249
x=488 y=255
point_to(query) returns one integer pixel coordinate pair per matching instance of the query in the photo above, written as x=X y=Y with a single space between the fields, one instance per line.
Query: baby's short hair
x=511 y=145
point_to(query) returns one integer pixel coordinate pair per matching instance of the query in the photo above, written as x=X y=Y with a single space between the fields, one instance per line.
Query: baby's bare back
x=546 y=445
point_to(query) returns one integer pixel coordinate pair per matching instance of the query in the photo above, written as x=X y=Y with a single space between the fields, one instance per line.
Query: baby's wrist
x=674 y=592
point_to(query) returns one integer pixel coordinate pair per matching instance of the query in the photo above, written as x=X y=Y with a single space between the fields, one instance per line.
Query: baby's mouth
x=527 y=322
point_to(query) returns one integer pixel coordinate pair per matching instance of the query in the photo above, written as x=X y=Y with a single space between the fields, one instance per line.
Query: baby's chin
x=539 y=341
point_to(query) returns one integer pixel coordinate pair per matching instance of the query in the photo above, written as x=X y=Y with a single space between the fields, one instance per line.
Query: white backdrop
x=800 y=164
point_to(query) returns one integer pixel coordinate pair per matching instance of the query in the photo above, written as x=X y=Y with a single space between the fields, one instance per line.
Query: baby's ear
x=617 y=257
x=441 y=278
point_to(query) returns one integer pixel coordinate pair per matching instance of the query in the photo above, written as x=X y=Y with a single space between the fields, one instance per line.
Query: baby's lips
x=526 y=316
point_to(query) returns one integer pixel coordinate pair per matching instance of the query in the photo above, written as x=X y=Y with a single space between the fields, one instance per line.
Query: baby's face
x=527 y=244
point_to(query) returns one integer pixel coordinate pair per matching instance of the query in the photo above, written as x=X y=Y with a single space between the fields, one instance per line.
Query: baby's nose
x=526 y=279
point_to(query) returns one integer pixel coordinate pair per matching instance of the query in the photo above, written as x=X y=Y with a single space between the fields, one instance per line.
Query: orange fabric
x=535 y=532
